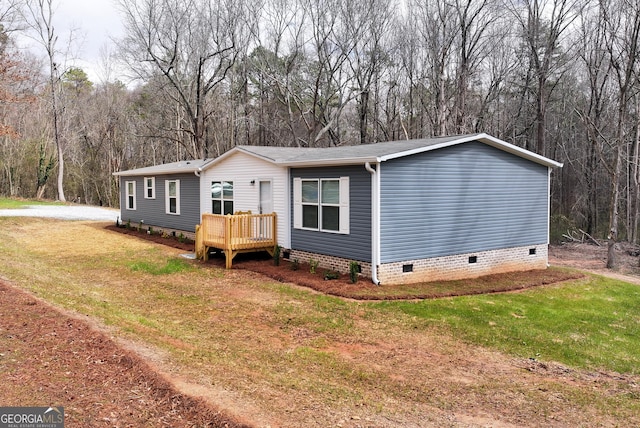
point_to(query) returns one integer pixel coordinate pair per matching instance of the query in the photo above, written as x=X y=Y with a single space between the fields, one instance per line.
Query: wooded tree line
x=560 y=78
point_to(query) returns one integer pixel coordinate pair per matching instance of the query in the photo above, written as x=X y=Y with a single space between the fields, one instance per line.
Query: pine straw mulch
x=51 y=358
x=364 y=289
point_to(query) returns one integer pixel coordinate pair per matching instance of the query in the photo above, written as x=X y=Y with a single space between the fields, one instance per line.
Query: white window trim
x=167 y=198
x=344 y=226
x=127 y=195
x=153 y=188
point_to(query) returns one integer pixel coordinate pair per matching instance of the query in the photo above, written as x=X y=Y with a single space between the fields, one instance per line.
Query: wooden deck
x=235 y=234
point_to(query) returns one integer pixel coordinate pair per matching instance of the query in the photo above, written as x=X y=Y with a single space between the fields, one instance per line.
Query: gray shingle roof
x=321 y=156
x=379 y=152
x=292 y=155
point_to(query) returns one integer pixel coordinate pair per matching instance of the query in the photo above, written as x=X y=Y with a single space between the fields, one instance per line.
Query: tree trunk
x=613 y=227
x=363 y=107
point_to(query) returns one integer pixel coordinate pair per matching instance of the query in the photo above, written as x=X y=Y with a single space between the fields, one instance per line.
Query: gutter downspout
x=548 y=212
x=375 y=220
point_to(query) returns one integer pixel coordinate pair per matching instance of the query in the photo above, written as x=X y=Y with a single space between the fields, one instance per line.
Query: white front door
x=266 y=199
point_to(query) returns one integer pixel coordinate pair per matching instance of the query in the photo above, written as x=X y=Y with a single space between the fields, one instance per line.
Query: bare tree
x=594 y=112
x=475 y=19
x=622 y=24
x=438 y=32
x=192 y=45
x=367 y=27
x=39 y=16
x=542 y=24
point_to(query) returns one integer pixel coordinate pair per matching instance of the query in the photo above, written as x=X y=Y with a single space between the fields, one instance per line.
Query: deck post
x=235 y=234
x=228 y=252
x=199 y=243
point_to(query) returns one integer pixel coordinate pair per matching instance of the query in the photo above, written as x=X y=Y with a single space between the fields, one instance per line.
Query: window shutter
x=344 y=205
x=178 y=197
x=297 y=203
x=166 y=197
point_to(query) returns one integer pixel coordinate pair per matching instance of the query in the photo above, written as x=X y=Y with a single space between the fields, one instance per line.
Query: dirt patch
x=48 y=358
x=593 y=258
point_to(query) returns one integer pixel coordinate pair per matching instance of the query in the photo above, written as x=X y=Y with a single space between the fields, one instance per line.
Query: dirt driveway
x=64 y=212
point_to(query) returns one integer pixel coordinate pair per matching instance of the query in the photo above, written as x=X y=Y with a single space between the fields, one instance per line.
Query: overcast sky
x=94 y=23
x=98 y=21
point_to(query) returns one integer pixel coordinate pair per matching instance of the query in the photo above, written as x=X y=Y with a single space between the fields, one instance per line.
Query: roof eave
x=134 y=173
x=485 y=138
x=329 y=162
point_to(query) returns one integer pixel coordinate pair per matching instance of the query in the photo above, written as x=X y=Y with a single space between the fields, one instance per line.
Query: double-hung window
x=130 y=194
x=149 y=187
x=322 y=204
x=172 y=197
x=222 y=197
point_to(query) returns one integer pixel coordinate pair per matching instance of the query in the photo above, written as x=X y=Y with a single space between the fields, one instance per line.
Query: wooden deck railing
x=235 y=234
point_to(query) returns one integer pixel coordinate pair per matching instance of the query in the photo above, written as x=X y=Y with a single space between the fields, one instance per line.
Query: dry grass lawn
x=279 y=355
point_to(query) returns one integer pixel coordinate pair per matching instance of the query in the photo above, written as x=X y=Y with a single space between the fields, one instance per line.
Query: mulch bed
x=49 y=358
x=364 y=289
x=171 y=241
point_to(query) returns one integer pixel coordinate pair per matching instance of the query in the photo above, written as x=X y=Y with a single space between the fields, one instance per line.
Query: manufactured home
x=405 y=211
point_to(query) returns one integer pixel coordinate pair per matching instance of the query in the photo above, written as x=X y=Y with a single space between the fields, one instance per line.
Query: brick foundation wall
x=328 y=262
x=157 y=229
x=462 y=266
x=440 y=268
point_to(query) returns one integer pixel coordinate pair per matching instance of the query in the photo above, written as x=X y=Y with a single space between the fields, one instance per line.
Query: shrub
x=354 y=270
x=276 y=255
x=313 y=265
x=331 y=274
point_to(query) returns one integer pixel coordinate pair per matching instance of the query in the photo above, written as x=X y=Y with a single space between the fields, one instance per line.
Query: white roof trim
x=330 y=162
x=148 y=172
x=485 y=138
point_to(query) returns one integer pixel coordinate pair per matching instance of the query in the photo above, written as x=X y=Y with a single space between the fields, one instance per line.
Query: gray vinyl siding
x=153 y=211
x=461 y=199
x=357 y=244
